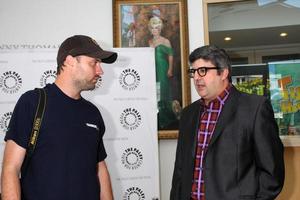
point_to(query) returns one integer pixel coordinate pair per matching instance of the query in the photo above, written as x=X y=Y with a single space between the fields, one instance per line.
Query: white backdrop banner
x=126 y=97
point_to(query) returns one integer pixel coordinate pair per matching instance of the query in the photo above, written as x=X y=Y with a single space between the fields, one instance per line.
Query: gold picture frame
x=134 y=22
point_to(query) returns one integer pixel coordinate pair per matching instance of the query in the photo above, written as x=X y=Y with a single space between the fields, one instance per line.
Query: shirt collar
x=221 y=98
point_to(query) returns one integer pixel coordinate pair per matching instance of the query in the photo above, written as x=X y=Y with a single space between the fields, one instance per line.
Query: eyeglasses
x=201 y=71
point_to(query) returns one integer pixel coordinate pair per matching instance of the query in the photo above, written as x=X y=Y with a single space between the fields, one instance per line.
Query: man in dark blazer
x=228 y=146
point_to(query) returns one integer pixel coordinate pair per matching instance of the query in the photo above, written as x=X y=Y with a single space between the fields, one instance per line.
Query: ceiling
x=254 y=23
x=256 y=37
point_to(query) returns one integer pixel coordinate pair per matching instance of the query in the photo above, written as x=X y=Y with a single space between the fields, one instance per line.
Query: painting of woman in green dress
x=169 y=109
x=162 y=27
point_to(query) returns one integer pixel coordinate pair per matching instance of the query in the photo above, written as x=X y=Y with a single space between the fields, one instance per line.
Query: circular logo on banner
x=10 y=82
x=129 y=79
x=48 y=76
x=130 y=118
x=4 y=121
x=134 y=193
x=132 y=158
x=99 y=83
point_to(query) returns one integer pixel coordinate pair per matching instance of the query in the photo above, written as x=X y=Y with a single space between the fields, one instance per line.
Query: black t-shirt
x=68 y=149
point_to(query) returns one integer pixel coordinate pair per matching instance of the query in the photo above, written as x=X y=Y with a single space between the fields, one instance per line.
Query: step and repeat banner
x=126 y=97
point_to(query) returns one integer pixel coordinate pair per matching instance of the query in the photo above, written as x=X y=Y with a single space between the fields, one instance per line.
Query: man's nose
x=99 y=69
x=197 y=76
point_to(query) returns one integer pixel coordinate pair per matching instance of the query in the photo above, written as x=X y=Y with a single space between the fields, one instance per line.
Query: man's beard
x=84 y=85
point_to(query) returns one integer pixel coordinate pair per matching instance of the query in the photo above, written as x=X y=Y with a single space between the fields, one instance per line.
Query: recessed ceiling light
x=227 y=38
x=283 y=34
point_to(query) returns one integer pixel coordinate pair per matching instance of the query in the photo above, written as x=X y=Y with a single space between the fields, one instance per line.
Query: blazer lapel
x=193 y=125
x=227 y=113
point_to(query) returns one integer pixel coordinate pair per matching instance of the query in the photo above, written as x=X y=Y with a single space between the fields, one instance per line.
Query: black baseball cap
x=83 y=45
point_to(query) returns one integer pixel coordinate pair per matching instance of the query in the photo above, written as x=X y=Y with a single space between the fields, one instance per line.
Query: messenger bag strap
x=35 y=129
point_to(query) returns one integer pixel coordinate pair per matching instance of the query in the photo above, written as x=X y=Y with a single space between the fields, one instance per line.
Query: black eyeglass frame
x=192 y=71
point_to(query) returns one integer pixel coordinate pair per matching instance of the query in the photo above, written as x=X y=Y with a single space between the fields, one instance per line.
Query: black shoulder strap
x=35 y=128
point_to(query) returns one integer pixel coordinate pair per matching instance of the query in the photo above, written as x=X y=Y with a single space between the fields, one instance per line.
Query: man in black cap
x=68 y=160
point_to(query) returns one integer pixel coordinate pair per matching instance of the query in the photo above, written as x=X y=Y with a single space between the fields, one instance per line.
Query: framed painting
x=285 y=96
x=251 y=78
x=160 y=24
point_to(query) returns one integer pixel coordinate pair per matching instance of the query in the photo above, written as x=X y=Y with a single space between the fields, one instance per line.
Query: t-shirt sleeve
x=102 y=153
x=20 y=125
x=101 y=150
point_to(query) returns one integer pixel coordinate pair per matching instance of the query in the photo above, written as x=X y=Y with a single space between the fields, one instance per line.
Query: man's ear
x=70 y=60
x=225 y=73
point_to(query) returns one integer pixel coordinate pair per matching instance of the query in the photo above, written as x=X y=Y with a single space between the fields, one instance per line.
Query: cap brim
x=105 y=56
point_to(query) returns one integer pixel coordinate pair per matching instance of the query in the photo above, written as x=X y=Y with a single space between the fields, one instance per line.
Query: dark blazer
x=244 y=159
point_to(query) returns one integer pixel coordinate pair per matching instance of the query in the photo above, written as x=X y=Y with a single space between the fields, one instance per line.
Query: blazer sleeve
x=176 y=180
x=176 y=190
x=268 y=152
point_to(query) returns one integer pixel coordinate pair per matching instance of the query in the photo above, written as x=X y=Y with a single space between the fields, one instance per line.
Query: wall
x=49 y=22
x=292 y=176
